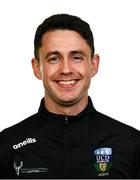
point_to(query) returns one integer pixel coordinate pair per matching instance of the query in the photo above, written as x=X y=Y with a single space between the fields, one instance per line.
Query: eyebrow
x=71 y=52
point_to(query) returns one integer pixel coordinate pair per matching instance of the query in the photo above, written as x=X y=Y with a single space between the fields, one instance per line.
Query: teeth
x=67 y=82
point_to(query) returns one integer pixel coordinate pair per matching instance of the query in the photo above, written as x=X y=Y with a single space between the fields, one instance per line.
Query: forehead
x=63 y=39
x=61 y=33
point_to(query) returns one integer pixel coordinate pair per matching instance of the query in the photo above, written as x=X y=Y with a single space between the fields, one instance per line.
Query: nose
x=66 y=67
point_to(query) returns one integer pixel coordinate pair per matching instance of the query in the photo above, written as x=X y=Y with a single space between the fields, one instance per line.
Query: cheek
x=48 y=72
x=85 y=69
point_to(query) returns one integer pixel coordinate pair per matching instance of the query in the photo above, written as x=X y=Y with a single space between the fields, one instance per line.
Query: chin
x=68 y=101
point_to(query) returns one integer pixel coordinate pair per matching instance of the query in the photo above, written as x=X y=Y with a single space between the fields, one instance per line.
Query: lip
x=69 y=83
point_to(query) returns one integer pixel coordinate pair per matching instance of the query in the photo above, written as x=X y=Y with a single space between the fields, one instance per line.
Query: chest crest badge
x=102 y=160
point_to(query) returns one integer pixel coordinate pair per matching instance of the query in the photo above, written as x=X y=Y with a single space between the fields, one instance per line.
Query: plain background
x=116 y=27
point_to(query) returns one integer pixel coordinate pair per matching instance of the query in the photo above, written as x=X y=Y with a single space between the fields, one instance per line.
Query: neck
x=69 y=110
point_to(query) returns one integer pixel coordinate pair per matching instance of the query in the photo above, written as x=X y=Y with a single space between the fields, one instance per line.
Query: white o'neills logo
x=24 y=143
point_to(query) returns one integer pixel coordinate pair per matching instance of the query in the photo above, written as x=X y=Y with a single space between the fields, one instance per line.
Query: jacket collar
x=59 y=119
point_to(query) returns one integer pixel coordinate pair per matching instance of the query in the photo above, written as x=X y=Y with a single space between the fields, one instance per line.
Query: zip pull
x=66 y=119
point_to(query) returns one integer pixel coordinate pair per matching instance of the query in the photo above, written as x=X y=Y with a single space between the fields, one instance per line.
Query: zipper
x=66 y=147
x=66 y=119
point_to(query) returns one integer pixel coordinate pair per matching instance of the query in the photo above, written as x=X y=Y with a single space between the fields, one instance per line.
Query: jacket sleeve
x=6 y=155
x=2 y=163
x=137 y=160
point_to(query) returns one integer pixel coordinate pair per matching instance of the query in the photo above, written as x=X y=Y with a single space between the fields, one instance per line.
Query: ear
x=36 y=68
x=94 y=64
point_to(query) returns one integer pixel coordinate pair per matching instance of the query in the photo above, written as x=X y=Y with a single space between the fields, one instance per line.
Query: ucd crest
x=103 y=160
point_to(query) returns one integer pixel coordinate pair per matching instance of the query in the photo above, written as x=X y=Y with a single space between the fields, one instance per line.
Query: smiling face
x=65 y=66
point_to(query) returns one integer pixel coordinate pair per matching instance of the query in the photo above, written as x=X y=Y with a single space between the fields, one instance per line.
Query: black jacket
x=89 y=145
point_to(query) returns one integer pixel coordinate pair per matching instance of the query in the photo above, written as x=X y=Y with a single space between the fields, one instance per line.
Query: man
x=68 y=138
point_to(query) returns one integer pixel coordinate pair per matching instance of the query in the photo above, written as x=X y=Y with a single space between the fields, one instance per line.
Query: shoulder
x=109 y=125
x=20 y=129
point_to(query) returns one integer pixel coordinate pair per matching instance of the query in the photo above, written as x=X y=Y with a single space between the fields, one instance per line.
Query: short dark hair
x=63 y=21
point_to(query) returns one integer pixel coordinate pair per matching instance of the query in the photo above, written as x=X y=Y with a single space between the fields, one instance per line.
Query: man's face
x=65 y=66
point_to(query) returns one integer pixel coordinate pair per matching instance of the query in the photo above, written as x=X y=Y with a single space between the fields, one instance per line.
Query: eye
x=78 y=58
x=53 y=59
